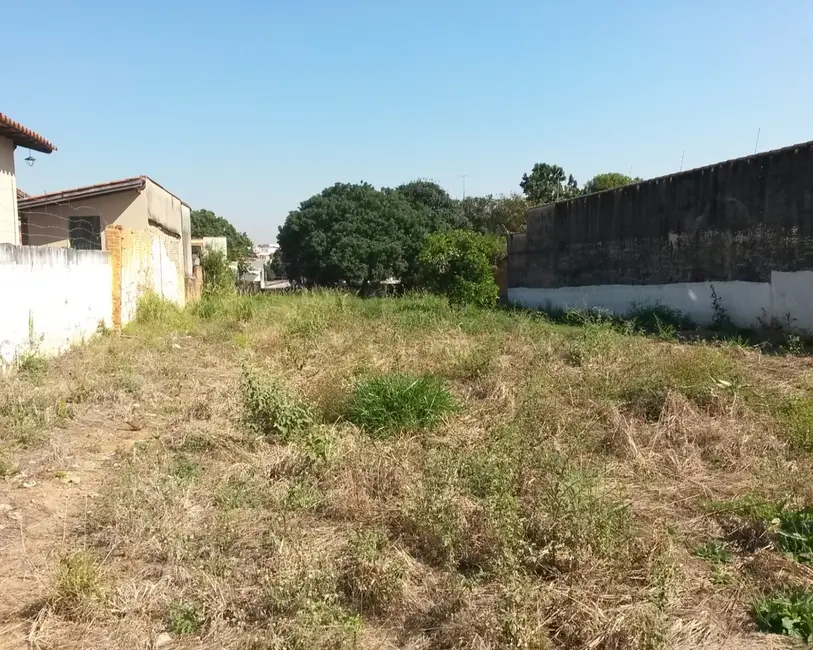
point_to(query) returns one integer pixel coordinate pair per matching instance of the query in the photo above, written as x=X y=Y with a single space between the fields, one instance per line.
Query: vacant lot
x=320 y=471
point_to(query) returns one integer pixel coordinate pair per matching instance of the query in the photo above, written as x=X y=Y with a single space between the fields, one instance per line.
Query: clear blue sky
x=248 y=108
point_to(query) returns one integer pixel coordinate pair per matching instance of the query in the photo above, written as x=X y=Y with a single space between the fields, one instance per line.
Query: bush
x=393 y=403
x=458 y=265
x=270 y=410
x=217 y=274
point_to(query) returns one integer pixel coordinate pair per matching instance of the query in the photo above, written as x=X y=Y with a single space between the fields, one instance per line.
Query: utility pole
x=682 y=153
x=757 y=144
x=464 y=177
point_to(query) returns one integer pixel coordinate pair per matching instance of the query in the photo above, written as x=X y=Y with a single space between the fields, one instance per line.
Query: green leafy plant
x=185 y=618
x=714 y=551
x=269 y=410
x=372 y=574
x=391 y=403
x=789 y=613
x=458 y=265
x=795 y=534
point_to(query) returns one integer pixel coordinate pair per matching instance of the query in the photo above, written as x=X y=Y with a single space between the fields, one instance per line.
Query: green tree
x=354 y=234
x=458 y=265
x=206 y=223
x=493 y=214
x=548 y=183
x=431 y=197
x=608 y=181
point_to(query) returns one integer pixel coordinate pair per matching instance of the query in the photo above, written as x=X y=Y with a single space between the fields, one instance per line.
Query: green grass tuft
x=393 y=403
x=269 y=410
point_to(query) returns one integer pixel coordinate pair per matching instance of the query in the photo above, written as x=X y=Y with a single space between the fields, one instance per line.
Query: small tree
x=217 y=274
x=458 y=265
x=608 y=181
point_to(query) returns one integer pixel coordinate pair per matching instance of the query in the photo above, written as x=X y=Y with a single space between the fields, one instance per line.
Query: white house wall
x=9 y=229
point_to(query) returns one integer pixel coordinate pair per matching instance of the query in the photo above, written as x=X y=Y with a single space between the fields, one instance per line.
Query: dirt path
x=41 y=507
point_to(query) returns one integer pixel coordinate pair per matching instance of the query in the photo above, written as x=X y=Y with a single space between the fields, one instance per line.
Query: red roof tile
x=23 y=136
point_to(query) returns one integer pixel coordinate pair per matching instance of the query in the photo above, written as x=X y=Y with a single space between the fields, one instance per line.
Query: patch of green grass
x=184 y=469
x=185 y=618
x=239 y=492
x=389 y=404
x=747 y=506
x=32 y=365
x=795 y=416
x=714 y=551
x=789 y=613
x=77 y=585
x=270 y=410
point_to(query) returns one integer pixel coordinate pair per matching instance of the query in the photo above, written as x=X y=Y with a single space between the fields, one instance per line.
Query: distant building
x=201 y=244
x=265 y=251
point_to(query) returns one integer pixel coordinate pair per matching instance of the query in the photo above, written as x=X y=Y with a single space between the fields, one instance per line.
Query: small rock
x=163 y=640
x=29 y=484
x=71 y=478
x=16 y=515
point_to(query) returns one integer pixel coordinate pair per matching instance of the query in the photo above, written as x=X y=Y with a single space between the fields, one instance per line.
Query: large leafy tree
x=494 y=214
x=354 y=234
x=608 y=181
x=548 y=183
x=431 y=197
x=206 y=223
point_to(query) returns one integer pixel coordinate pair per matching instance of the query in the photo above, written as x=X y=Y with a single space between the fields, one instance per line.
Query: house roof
x=64 y=196
x=23 y=136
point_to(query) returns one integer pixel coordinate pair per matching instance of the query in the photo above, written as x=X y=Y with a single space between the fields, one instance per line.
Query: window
x=86 y=233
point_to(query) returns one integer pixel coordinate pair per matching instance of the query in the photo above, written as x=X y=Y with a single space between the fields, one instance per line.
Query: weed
x=269 y=410
x=31 y=364
x=714 y=551
x=789 y=613
x=795 y=534
x=389 y=404
x=660 y=320
x=371 y=574
x=720 y=318
x=795 y=416
x=185 y=618
x=78 y=585
x=184 y=469
x=747 y=506
x=7 y=466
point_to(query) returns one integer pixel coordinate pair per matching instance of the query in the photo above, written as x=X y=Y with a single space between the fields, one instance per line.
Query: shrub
x=789 y=613
x=217 y=274
x=392 y=403
x=269 y=410
x=371 y=574
x=458 y=265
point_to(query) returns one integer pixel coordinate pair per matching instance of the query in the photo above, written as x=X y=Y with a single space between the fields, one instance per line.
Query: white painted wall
x=9 y=229
x=787 y=299
x=52 y=298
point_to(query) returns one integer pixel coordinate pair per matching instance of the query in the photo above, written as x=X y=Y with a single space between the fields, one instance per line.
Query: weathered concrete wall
x=51 y=298
x=151 y=260
x=748 y=222
x=9 y=230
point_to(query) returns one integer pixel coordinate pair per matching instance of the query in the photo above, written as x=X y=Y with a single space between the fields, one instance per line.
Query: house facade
x=149 y=226
x=13 y=135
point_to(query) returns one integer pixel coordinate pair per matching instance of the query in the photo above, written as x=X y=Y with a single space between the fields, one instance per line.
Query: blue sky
x=248 y=108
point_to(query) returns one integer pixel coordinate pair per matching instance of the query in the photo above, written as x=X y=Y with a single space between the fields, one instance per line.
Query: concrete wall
x=48 y=225
x=744 y=226
x=151 y=260
x=51 y=298
x=9 y=229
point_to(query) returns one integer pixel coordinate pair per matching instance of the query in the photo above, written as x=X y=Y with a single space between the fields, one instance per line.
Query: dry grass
x=590 y=489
